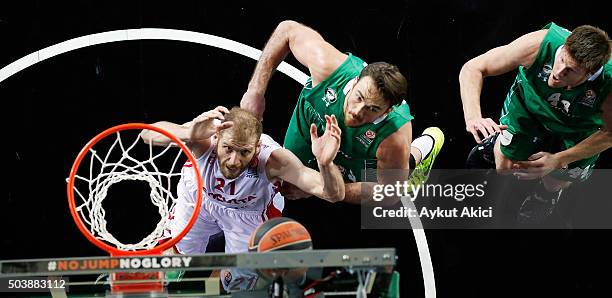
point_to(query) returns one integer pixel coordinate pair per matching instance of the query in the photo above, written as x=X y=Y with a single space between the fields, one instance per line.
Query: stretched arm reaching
x=327 y=184
x=195 y=133
x=308 y=47
x=181 y=131
x=497 y=61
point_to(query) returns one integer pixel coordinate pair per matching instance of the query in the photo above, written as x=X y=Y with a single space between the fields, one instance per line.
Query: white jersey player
x=234 y=206
x=241 y=171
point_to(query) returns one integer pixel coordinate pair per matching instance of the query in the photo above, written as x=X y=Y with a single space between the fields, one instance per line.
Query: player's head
x=585 y=51
x=239 y=144
x=380 y=86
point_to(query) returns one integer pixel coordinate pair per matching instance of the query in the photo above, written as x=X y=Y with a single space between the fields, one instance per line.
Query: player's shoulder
x=268 y=141
x=531 y=40
x=271 y=154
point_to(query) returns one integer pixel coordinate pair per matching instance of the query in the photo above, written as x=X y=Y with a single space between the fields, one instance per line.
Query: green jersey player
x=368 y=100
x=557 y=116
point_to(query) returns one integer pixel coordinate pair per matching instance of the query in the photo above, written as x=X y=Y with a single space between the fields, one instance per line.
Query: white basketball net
x=126 y=168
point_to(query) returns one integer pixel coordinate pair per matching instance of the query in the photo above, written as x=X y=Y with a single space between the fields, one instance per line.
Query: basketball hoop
x=121 y=163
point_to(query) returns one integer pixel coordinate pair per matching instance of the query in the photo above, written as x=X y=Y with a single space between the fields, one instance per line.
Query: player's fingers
x=336 y=136
x=483 y=131
x=335 y=128
x=313 y=131
x=222 y=109
x=202 y=117
x=537 y=155
x=216 y=114
x=334 y=133
x=527 y=175
x=490 y=128
x=475 y=134
x=328 y=123
x=225 y=125
x=493 y=125
x=524 y=164
x=328 y=120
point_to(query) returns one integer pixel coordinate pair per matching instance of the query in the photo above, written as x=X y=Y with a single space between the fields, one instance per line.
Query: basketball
x=280 y=233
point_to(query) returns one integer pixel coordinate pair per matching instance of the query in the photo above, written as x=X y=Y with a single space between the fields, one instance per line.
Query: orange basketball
x=280 y=233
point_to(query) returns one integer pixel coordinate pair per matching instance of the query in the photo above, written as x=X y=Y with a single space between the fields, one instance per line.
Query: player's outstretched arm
x=308 y=47
x=328 y=183
x=497 y=61
x=181 y=131
x=195 y=133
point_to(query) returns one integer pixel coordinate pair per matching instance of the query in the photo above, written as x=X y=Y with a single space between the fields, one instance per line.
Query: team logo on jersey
x=252 y=169
x=370 y=134
x=589 y=98
x=252 y=173
x=366 y=138
x=330 y=96
x=545 y=72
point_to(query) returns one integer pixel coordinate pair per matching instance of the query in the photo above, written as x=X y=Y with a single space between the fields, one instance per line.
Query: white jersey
x=250 y=191
x=232 y=206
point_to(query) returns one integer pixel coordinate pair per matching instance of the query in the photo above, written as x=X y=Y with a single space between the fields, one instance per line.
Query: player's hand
x=538 y=165
x=208 y=123
x=254 y=102
x=326 y=147
x=482 y=126
x=292 y=192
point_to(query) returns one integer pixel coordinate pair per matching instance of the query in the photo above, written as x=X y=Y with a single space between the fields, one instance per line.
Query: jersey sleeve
x=268 y=145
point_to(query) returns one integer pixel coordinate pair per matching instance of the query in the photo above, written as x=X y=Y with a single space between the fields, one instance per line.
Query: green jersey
x=570 y=113
x=358 y=144
x=541 y=118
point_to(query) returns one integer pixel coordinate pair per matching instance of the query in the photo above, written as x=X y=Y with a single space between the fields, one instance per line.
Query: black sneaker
x=482 y=155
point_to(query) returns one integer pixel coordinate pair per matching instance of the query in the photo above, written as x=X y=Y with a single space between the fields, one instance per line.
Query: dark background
x=51 y=109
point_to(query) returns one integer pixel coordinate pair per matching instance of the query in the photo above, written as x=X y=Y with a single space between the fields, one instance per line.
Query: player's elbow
x=151 y=137
x=287 y=27
x=295 y=33
x=287 y=24
x=471 y=68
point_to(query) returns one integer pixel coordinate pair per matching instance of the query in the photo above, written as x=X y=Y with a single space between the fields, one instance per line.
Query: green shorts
x=526 y=135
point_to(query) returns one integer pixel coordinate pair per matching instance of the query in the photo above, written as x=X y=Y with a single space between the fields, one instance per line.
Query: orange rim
x=79 y=222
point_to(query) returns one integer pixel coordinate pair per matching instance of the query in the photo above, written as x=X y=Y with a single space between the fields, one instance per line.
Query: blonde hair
x=246 y=125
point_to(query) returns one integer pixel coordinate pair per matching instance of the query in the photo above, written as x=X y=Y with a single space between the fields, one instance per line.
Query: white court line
x=214 y=41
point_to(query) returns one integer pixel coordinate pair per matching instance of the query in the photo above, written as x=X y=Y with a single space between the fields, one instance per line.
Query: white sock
x=424 y=144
